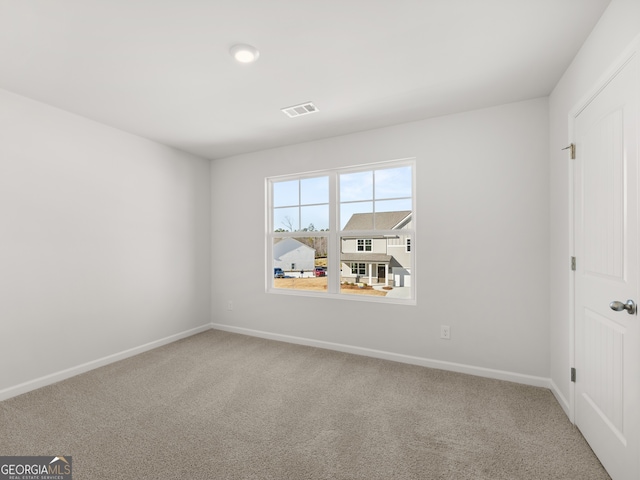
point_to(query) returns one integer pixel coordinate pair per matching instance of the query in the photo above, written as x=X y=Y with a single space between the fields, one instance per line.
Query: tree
x=288 y=223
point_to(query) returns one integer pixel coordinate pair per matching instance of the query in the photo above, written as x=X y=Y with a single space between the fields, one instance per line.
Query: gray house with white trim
x=377 y=259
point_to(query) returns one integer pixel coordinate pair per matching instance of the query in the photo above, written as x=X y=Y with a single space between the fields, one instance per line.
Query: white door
x=607 y=342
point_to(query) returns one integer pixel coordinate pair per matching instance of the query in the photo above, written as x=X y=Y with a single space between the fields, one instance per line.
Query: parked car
x=320 y=271
x=278 y=272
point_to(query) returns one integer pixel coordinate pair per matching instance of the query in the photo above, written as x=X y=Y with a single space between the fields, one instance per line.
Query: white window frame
x=359 y=269
x=335 y=235
x=366 y=242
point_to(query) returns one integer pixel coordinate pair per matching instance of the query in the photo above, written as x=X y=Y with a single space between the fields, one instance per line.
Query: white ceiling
x=161 y=68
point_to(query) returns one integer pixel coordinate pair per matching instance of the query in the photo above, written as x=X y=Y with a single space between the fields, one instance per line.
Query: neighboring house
x=291 y=255
x=381 y=259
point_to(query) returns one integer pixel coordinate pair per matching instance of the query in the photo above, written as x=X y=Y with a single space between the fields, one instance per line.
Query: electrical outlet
x=445 y=332
x=229 y=305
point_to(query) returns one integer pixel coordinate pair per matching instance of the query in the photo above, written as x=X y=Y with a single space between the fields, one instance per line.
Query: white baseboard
x=564 y=403
x=396 y=357
x=85 y=367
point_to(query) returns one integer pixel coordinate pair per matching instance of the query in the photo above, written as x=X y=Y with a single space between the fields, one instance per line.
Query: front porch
x=372 y=269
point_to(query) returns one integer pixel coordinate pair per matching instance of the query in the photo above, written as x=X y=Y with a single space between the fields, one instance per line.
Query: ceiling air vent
x=302 y=109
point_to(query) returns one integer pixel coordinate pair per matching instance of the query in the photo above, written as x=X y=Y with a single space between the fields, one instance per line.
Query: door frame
x=610 y=73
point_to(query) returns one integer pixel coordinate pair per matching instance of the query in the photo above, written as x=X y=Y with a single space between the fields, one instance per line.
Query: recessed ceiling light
x=244 y=53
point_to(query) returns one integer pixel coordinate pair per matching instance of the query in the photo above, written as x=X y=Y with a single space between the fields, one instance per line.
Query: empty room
x=298 y=240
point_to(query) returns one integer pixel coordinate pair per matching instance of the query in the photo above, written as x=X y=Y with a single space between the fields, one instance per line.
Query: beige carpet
x=226 y=406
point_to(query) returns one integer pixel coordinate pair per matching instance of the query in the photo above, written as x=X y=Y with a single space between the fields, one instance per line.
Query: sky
x=302 y=202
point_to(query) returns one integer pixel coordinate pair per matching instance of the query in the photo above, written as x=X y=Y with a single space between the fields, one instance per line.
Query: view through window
x=343 y=232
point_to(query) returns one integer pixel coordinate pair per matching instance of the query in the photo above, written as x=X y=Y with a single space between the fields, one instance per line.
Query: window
x=364 y=245
x=358 y=268
x=356 y=224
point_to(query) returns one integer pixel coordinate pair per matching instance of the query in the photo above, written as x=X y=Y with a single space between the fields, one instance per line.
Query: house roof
x=366 y=257
x=383 y=220
x=287 y=245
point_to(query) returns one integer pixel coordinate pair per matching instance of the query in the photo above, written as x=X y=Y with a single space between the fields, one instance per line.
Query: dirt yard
x=320 y=284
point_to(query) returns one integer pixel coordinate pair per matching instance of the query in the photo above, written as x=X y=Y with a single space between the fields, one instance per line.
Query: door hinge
x=573 y=150
x=573 y=375
x=573 y=263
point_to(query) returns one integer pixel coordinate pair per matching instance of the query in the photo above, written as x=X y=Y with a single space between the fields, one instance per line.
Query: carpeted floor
x=225 y=406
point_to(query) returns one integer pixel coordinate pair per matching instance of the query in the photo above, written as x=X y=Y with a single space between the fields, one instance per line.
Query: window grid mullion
x=299 y=204
x=374 y=199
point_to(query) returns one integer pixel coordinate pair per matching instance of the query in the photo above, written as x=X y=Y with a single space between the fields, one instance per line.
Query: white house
x=291 y=255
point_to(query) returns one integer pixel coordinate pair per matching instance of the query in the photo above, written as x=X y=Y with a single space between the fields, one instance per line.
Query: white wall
x=616 y=29
x=104 y=243
x=482 y=243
